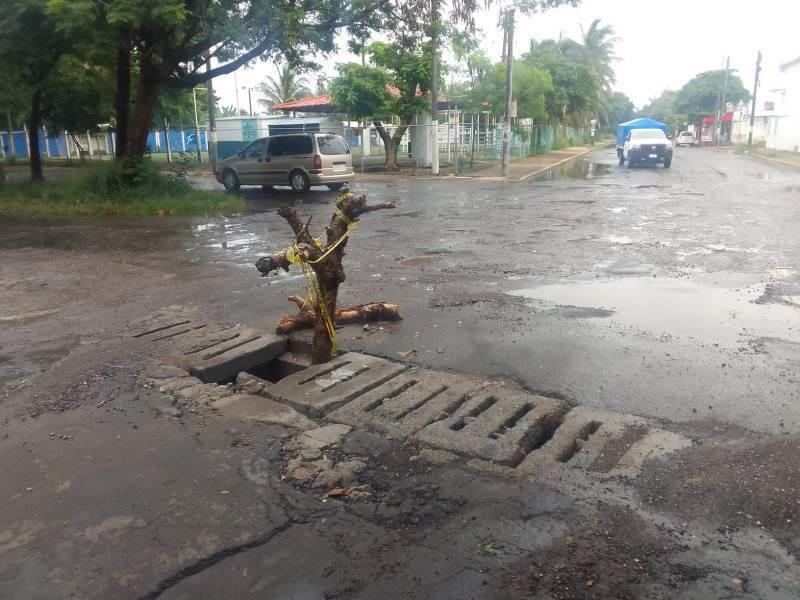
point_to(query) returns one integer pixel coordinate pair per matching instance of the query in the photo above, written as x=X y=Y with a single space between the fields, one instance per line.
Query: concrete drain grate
x=500 y=426
x=532 y=435
x=322 y=388
x=604 y=443
x=406 y=403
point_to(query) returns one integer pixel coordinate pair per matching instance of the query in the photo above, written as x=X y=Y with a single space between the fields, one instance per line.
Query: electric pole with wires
x=753 y=108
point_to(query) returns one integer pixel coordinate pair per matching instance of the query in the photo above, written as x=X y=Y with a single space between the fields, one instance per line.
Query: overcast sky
x=662 y=44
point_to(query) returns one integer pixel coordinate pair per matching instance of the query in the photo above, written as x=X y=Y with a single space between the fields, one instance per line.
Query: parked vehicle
x=646 y=146
x=296 y=160
x=686 y=138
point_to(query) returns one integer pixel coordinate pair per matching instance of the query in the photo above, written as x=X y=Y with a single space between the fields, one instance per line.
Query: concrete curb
x=773 y=160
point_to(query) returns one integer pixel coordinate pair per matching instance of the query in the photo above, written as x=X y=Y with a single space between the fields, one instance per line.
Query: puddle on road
x=419 y=261
x=576 y=169
x=678 y=307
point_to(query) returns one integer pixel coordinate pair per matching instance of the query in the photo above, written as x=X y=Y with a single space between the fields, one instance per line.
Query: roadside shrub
x=137 y=176
x=133 y=187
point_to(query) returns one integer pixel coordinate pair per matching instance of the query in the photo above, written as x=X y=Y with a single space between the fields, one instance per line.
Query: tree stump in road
x=322 y=263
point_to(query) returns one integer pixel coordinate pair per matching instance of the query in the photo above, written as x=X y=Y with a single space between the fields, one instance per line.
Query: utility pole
x=505 y=42
x=724 y=92
x=212 y=121
x=250 y=100
x=236 y=85
x=434 y=87
x=753 y=109
x=166 y=137
x=11 y=150
x=721 y=103
x=196 y=126
x=509 y=75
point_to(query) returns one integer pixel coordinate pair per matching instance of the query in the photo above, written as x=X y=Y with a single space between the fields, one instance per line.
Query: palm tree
x=598 y=50
x=283 y=88
x=227 y=111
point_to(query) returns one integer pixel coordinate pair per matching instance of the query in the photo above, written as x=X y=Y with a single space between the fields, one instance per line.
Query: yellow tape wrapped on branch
x=295 y=255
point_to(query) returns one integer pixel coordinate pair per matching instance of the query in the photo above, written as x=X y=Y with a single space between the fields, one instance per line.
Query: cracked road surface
x=668 y=294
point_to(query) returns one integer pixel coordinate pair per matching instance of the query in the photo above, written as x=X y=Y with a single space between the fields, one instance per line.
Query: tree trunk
x=325 y=261
x=322 y=344
x=122 y=97
x=389 y=149
x=33 y=137
x=391 y=143
x=363 y=313
x=146 y=98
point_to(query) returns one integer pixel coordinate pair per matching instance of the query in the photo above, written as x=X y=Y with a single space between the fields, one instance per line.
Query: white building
x=783 y=132
x=777 y=115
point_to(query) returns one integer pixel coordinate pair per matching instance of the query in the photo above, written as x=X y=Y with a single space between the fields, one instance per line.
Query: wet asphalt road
x=661 y=293
x=667 y=293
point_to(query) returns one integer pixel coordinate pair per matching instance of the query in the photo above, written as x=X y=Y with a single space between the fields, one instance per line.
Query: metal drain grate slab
x=407 y=403
x=322 y=388
x=498 y=425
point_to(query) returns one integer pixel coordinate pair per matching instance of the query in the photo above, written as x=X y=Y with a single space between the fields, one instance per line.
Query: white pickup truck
x=644 y=146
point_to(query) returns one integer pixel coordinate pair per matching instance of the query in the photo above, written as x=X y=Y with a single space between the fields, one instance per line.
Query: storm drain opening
x=585 y=433
x=393 y=394
x=539 y=436
x=512 y=420
x=485 y=405
x=404 y=413
x=294 y=360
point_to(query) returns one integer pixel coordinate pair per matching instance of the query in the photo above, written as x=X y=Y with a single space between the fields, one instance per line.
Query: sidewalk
x=523 y=168
x=788 y=159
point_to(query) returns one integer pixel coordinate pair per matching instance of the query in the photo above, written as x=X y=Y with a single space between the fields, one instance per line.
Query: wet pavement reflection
x=580 y=168
x=680 y=307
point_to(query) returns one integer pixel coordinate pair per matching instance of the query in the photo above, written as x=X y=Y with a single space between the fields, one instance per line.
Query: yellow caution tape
x=296 y=256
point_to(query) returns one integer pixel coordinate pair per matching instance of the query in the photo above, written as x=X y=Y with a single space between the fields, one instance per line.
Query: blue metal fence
x=63 y=145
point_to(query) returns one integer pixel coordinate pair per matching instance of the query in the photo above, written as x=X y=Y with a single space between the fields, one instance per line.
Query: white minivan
x=298 y=160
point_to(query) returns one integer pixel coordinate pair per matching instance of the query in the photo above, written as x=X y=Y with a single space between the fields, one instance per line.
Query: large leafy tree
x=575 y=88
x=663 y=109
x=396 y=84
x=620 y=108
x=78 y=95
x=531 y=87
x=286 y=86
x=699 y=97
x=30 y=48
x=168 y=43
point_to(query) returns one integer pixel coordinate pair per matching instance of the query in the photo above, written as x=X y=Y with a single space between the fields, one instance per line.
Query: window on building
x=769 y=106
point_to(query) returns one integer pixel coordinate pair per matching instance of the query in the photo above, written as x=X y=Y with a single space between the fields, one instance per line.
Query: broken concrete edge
x=229 y=363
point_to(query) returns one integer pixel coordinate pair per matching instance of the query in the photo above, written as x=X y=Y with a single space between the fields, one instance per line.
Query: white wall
x=784 y=132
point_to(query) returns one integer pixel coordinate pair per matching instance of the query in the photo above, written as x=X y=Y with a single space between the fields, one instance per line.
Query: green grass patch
x=116 y=188
x=47 y=162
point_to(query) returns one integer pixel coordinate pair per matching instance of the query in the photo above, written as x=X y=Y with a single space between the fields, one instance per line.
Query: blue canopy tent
x=623 y=129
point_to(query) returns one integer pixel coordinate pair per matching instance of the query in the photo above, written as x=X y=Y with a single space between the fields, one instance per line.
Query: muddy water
x=678 y=307
x=576 y=169
x=235 y=241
